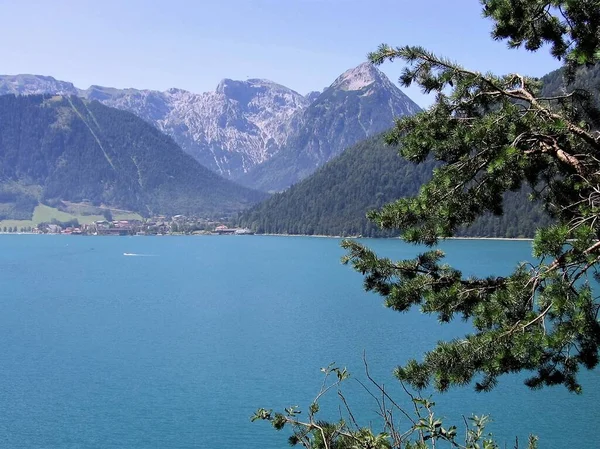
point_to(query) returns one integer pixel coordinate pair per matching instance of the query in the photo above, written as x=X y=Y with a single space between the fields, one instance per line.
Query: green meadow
x=43 y=213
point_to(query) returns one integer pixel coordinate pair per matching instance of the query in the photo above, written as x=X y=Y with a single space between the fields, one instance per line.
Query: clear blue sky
x=193 y=44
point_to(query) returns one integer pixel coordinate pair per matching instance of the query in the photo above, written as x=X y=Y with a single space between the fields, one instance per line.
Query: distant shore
x=398 y=238
x=491 y=238
x=293 y=235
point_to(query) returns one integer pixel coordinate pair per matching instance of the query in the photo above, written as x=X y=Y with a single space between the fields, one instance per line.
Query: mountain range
x=258 y=132
x=229 y=130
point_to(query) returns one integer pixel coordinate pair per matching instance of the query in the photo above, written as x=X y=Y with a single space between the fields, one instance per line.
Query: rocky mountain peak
x=246 y=90
x=312 y=96
x=360 y=103
x=26 y=84
x=359 y=77
x=241 y=91
x=176 y=91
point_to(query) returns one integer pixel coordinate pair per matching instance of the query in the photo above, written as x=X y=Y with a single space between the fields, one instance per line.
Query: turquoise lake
x=177 y=344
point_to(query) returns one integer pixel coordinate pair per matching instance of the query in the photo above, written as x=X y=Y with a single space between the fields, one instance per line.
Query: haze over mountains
x=256 y=131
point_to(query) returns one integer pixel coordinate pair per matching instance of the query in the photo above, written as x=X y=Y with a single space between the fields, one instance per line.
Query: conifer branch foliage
x=569 y=27
x=414 y=427
x=492 y=134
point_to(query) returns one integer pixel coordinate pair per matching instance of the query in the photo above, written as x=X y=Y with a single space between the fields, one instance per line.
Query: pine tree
x=490 y=135
x=493 y=134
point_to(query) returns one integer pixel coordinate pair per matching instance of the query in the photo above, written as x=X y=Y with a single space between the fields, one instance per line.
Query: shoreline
x=394 y=238
x=281 y=235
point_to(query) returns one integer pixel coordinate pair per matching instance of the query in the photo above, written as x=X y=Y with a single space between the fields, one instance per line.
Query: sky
x=193 y=44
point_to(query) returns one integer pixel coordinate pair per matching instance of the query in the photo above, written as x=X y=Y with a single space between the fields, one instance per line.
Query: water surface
x=175 y=344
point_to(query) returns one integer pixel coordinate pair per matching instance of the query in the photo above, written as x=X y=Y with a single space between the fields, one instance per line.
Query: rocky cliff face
x=35 y=85
x=257 y=131
x=231 y=130
x=360 y=103
x=239 y=125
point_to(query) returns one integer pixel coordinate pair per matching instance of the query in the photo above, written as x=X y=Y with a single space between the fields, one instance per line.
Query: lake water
x=177 y=346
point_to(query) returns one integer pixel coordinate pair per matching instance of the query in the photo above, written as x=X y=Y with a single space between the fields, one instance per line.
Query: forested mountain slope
x=55 y=148
x=335 y=199
x=587 y=78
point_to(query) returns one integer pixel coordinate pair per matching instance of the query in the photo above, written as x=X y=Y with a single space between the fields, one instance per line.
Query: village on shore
x=160 y=225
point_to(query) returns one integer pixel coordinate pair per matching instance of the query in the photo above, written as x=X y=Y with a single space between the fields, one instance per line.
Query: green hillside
x=335 y=199
x=55 y=149
x=47 y=214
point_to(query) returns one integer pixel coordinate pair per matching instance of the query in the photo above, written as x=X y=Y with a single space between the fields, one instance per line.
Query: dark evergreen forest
x=335 y=199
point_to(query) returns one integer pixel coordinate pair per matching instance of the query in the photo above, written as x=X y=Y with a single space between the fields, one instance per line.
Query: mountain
x=335 y=199
x=360 y=103
x=239 y=125
x=242 y=125
x=35 y=85
x=587 y=78
x=312 y=96
x=64 y=148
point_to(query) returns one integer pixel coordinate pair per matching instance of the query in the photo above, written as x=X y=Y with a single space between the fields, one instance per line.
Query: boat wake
x=138 y=255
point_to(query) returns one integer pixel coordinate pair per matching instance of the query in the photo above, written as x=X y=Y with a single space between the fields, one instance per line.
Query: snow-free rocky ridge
x=237 y=129
x=359 y=103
